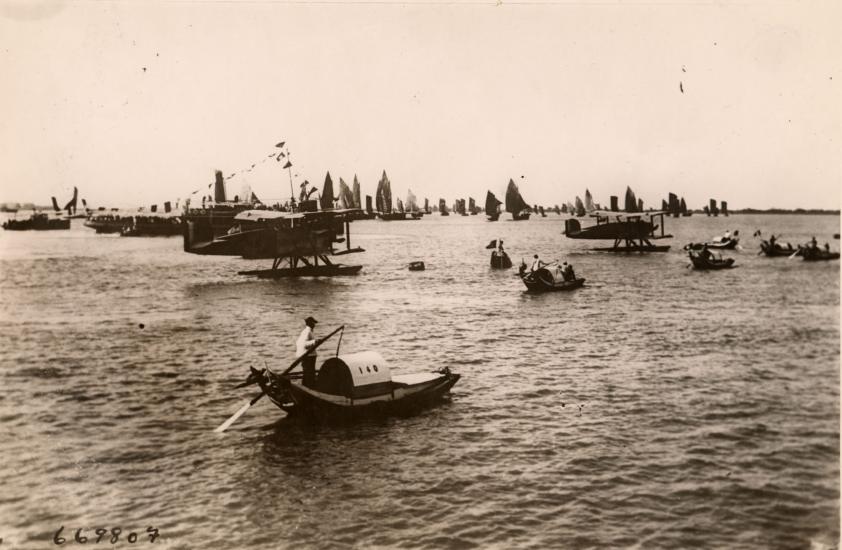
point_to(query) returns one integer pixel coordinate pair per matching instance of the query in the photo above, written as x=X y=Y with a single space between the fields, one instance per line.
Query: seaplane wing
x=622 y=215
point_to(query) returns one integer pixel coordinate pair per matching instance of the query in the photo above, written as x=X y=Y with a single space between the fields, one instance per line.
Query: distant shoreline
x=811 y=211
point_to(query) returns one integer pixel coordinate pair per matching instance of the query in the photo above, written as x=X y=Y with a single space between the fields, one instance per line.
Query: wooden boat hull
x=821 y=256
x=500 y=262
x=293 y=397
x=777 y=251
x=37 y=224
x=710 y=264
x=417 y=266
x=493 y=217
x=541 y=281
x=520 y=217
x=728 y=244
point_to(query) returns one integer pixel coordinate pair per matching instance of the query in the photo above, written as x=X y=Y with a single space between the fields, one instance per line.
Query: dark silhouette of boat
x=152 y=226
x=38 y=221
x=492 y=207
x=704 y=260
x=417 y=266
x=351 y=386
x=515 y=204
x=443 y=208
x=500 y=261
x=775 y=250
x=814 y=254
x=546 y=280
x=718 y=243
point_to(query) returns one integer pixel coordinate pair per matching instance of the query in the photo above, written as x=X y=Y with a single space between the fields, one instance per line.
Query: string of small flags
x=278 y=156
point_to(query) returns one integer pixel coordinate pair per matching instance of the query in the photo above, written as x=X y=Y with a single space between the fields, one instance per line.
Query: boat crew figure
x=304 y=343
x=536 y=264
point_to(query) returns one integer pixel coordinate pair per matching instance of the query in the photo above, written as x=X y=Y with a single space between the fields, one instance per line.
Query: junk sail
x=492 y=207
x=356 y=194
x=673 y=205
x=443 y=208
x=346 y=198
x=682 y=207
x=515 y=203
x=384 y=195
x=326 y=200
x=411 y=201
x=472 y=206
x=580 y=208
x=589 y=205
x=631 y=200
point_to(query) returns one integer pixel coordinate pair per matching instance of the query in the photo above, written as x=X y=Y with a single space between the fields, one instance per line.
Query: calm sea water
x=658 y=407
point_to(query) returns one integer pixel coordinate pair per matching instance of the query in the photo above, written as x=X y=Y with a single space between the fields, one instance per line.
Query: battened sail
x=514 y=201
x=713 y=209
x=472 y=205
x=682 y=206
x=589 y=205
x=384 y=195
x=580 y=208
x=326 y=200
x=631 y=200
x=492 y=205
x=411 y=201
x=219 y=188
x=356 y=193
x=426 y=205
x=346 y=198
x=673 y=204
x=443 y=207
x=400 y=206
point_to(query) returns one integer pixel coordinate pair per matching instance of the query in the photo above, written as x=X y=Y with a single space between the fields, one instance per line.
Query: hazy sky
x=139 y=102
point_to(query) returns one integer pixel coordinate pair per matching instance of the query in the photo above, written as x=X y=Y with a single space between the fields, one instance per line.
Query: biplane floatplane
x=631 y=231
x=299 y=242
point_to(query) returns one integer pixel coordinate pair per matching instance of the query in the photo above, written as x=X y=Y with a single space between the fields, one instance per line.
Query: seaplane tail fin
x=55 y=205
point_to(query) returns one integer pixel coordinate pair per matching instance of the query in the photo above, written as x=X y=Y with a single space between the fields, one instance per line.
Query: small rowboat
x=777 y=250
x=704 y=262
x=500 y=261
x=719 y=243
x=818 y=255
x=544 y=280
x=354 y=385
x=417 y=266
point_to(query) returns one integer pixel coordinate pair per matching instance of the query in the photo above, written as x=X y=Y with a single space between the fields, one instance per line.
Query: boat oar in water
x=225 y=425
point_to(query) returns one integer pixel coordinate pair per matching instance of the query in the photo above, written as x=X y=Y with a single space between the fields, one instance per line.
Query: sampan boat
x=354 y=385
x=545 y=280
x=817 y=255
x=776 y=250
x=500 y=261
x=706 y=262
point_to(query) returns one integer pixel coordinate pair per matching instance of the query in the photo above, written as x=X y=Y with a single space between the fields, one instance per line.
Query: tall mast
x=289 y=170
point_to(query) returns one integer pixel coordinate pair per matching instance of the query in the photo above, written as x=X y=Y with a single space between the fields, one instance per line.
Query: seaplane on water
x=632 y=230
x=302 y=239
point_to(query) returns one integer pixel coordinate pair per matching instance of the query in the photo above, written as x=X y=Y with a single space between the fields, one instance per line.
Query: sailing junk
x=326 y=200
x=713 y=209
x=346 y=198
x=515 y=203
x=589 y=205
x=631 y=200
x=580 y=208
x=443 y=208
x=614 y=205
x=356 y=193
x=384 y=195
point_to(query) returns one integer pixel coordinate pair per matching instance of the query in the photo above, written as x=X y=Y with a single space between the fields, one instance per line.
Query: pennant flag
x=288 y=165
x=280 y=144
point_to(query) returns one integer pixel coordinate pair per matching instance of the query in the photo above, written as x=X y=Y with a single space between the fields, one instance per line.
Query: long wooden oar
x=225 y=425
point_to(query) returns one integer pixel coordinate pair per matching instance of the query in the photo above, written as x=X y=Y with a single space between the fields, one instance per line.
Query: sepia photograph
x=434 y=275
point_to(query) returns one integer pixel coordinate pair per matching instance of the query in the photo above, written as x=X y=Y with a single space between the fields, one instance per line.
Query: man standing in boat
x=303 y=345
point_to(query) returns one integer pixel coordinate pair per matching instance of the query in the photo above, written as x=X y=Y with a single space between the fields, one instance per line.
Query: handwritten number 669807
x=103 y=535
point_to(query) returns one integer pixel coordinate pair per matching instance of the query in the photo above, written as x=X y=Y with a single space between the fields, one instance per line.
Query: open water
x=658 y=407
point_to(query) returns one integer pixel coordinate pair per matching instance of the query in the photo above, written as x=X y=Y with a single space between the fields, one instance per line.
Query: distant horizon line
x=6 y=205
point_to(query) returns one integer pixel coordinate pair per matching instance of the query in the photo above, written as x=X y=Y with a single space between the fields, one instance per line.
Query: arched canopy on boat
x=355 y=375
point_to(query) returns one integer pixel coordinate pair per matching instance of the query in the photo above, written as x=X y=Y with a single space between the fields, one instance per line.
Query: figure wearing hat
x=304 y=343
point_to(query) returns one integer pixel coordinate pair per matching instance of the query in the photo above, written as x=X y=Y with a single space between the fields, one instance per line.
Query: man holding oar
x=305 y=345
